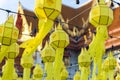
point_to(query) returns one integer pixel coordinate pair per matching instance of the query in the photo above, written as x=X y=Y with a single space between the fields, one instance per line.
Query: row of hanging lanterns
x=47 y=11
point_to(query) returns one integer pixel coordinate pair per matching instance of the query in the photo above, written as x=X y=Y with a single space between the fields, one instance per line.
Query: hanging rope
x=80 y=14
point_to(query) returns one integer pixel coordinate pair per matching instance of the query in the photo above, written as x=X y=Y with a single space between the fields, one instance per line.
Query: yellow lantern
x=101 y=14
x=9 y=33
x=77 y=76
x=110 y=62
x=13 y=51
x=37 y=72
x=64 y=74
x=27 y=63
x=84 y=59
x=48 y=57
x=109 y=65
x=48 y=54
x=47 y=8
x=59 y=38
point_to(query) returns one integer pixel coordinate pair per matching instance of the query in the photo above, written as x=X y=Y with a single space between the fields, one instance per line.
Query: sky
x=29 y=4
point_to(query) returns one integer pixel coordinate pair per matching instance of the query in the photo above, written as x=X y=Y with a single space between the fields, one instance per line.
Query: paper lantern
x=48 y=53
x=37 y=72
x=13 y=51
x=110 y=62
x=84 y=58
x=59 y=38
x=101 y=14
x=77 y=76
x=109 y=66
x=27 y=62
x=47 y=8
x=8 y=32
x=48 y=57
x=64 y=74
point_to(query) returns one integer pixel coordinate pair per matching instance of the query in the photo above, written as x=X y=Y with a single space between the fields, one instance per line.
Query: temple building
x=78 y=28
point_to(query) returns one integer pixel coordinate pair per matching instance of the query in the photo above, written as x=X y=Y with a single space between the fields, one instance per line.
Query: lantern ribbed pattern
x=110 y=62
x=37 y=72
x=101 y=15
x=13 y=51
x=48 y=53
x=8 y=32
x=27 y=62
x=59 y=39
x=84 y=58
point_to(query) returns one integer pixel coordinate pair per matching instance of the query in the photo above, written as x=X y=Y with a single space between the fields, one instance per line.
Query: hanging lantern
x=110 y=62
x=48 y=8
x=109 y=66
x=48 y=57
x=101 y=14
x=13 y=51
x=77 y=76
x=48 y=53
x=64 y=74
x=59 y=39
x=8 y=32
x=84 y=62
x=84 y=58
x=27 y=63
x=37 y=72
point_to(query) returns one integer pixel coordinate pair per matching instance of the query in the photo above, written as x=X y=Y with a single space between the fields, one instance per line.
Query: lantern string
x=80 y=14
x=9 y=11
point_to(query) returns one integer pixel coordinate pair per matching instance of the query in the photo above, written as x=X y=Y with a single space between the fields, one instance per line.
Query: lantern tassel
x=111 y=74
x=49 y=70
x=58 y=62
x=3 y=52
x=45 y=28
x=26 y=74
x=94 y=71
x=84 y=74
x=8 y=70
